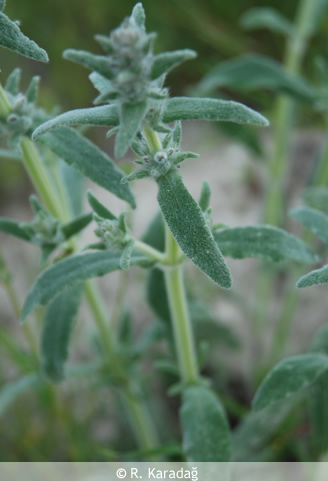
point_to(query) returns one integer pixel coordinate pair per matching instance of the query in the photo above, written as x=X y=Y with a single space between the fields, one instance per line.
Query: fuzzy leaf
x=126 y=255
x=185 y=108
x=76 y=225
x=320 y=341
x=13 y=390
x=314 y=220
x=2 y=5
x=267 y=18
x=205 y=429
x=99 y=63
x=73 y=182
x=131 y=116
x=316 y=197
x=33 y=89
x=11 y=37
x=205 y=196
x=189 y=228
x=105 y=115
x=71 y=271
x=164 y=62
x=57 y=328
x=100 y=83
x=139 y=16
x=98 y=207
x=86 y=158
x=263 y=241
x=289 y=378
x=136 y=175
x=257 y=72
x=314 y=278
x=12 y=227
x=13 y=81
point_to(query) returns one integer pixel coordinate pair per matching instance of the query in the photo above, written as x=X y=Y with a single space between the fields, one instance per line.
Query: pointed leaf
x=205 y=196
x=100 y=83
x=185 y=108
x=11 y=37
x=33 y=89
x=269 y=18
x=316 y=197
x=13 y=81
x=131 y=116
x=99 y=63
x=86 y=158
x=257 y=72
x=57 y=328
x=320 y=341
x=137 y=175
x=71 y=271
x=138 y=14
x=289 y=378
x=76 y=225
x=263 y=241
x=99 y=208
x=2 y=5
x=105 y=115
x=189 y=228
x=164 y=62
x=126 y=255
x=314 y=220
x=314 y=278
x=12 y=227
x=13 y=390
x=206 y=436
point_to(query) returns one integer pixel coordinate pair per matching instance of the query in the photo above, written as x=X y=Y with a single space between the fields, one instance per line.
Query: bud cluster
x=113 y=233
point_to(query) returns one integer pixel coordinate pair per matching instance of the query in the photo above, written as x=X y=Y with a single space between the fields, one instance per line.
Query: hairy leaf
x=256 y=72
x=13 y=390
x=99 y=63
x=73 y=183
x=164 y=62
x=71 y=271
x=205 y=429
x=57 y=328
x=267 y=18
x=289 y=378
x=139 y=16
x=13 y=81
x=105 y=115
x=131 y=116
x=316 y=197
x=33 y=89
x=185 y=108
x=11 y=37
x=12 y=227
x=88 y=159
x=99 y=208
x=100 y=83
x=314 y=278
x=76 y=225
x=263 y=241
x=189 y=228
x=314 y=220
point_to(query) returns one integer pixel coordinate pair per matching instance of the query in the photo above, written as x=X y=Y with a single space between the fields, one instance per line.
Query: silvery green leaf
x=205 y=196
x=58 y=323
x=2 y=5
x=138 y=14
x=314 y=220
x=131 y=116
x=185 y=108
x=182 y=156
x=177 y=133
x=263 y=241
x=11 y=37
x=100 y=83
x=189 y=228
x=106 y=97
x=105 y=115
x=13 y=81
x=33 y=89
x=269 y=18
x=105 y=42
x=126 y=255
x=205 y=429
x=316 y=197
x=164 y=62
x=76 y=225
x=99 y=246
x=13 y=390
x=138 y=174
x=98 y=207
x=71 y=271
x=290 y=377
x=73 y=183
x=46 y=251
x=99 y=63
x=257 y=72
x=9 y=154
x=14 y=228
x=314 y=278
x=89 y=160
x=320 y=341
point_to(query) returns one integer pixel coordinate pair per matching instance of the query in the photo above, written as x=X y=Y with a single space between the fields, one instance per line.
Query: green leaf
x=314 y=278
x=13 y=81
x=71 y=271
x=12 y=227
x=126 y=255
x=318 y=415
x=290 y=377
x=33 y=89
x=99 y=208
x=76 y=225
x=2 y=5
x=185 y=108
x=267 y=18
x=320 y=341
x=99 y=63
x=316 y=197
x=86 y=158
x=131 y=116
x=206 y=436
x=189 y=228
x=138 y=14
x=57 y=328
x=73 y=183
x=312 y=219
x=205 y=196
x=257 y=72
x=263 y=241
x=13 y=390
x=105 y=115
x=11 y=37
x=102 y=84
x=164 y=62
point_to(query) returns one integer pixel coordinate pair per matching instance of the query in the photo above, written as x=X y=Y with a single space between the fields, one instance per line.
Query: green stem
x=151 y=252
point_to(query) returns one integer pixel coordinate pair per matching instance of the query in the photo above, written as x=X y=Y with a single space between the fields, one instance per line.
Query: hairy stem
x=151 y=252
